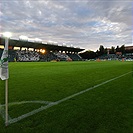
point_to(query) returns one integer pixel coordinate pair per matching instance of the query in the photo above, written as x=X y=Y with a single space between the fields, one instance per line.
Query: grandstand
x=24 y=50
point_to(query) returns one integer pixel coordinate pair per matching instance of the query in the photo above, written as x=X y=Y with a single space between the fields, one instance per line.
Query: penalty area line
x=14 y=120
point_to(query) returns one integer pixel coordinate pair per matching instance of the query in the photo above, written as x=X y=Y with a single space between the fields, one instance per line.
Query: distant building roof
x=128 y=47
x=118 y=53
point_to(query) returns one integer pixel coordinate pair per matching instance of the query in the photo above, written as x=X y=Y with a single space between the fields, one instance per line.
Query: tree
x=117 y=49
x=122 y=49
x=101 y=50
x=105 y=51
x=112 y=50
x=88 y=55
x=97 y=53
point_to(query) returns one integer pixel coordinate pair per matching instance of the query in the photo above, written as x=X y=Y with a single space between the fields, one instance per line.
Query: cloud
x=86 y=24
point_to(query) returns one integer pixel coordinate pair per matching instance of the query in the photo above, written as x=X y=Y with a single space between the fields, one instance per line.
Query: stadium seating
x=1 y=52
x=27 y=55
x=11 y=55
x=49 y=56
x=74 y=57
x=62 y=56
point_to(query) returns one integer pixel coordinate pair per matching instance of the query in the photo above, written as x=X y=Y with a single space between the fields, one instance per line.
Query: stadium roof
x=39 y=45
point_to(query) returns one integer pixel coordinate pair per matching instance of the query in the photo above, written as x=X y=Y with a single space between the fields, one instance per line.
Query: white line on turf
x=23 y=102
x=2 y=106
x=62 y=100
x=2 y=112
x=81 y=92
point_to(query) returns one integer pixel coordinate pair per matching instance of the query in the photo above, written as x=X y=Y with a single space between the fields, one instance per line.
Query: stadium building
x=24 y=50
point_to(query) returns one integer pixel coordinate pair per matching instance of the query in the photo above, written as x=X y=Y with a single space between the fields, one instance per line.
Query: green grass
x=106 y=109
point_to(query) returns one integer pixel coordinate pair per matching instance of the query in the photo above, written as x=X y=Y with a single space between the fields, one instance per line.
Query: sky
x=79 y=23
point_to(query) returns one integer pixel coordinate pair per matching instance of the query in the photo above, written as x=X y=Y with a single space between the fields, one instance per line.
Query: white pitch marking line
x=23 y=102
x=62 y=100
x=81 y=92
x=2 y=112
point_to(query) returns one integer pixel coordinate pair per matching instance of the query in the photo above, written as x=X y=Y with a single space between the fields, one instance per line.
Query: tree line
x=104 y=51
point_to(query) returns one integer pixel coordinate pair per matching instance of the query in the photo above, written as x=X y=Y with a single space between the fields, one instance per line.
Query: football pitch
x=68 y=97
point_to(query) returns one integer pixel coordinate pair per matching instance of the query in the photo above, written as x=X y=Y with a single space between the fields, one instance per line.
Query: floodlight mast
x=7 y=35
x=22 y=37
x=38 y=40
